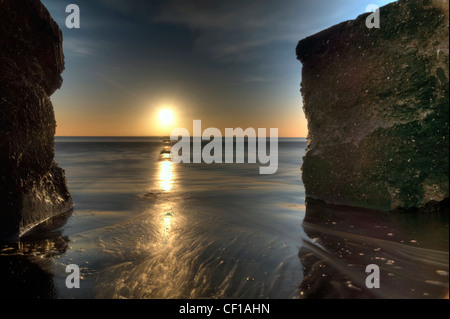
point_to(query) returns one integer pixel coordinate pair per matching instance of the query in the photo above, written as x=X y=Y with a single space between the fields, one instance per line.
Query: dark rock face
x=32 y=186
x=377 y=104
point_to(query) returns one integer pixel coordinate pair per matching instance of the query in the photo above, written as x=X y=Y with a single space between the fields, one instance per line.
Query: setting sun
x=166 y=117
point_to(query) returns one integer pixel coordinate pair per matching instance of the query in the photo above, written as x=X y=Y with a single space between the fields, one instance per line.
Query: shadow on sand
x=21 y=277
x=410 y=249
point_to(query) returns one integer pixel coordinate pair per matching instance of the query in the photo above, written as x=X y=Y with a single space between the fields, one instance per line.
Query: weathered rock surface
x=377 y=104
x=32 y=186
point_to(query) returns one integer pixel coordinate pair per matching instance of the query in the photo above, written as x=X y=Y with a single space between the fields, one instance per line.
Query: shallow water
x=144 y=227
x=410 y=250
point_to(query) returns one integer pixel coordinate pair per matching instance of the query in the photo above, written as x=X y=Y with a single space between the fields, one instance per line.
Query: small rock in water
x=150 y=195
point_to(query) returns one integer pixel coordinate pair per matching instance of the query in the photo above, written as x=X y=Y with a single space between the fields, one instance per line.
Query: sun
x=166 y=117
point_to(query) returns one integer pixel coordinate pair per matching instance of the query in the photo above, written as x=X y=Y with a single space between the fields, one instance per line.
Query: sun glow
x=166 y=117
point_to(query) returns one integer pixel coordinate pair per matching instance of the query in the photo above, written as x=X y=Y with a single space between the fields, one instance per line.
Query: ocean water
x=144 y=227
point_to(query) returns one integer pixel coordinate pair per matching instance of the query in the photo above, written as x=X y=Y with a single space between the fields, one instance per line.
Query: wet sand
x=144 y=227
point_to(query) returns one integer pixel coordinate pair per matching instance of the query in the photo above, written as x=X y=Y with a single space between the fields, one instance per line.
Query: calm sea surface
x=144 y=227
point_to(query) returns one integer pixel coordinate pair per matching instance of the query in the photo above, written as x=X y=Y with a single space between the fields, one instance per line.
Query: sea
x=144 y=227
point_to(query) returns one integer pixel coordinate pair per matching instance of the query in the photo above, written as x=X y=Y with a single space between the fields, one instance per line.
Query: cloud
x=236 y=30
x=76 y=47
x=233 y=30
x=124 y=7
x=255 y=79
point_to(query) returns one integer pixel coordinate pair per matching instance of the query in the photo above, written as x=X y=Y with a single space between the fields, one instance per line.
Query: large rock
x=32 y=186
x=377 y=104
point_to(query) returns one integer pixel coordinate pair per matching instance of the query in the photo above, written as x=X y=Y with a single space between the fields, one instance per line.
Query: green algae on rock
x=377 y=105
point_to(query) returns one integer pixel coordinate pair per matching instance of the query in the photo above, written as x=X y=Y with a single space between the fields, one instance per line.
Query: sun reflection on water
x=166 y=225
x=166 y=176
x=166 y=184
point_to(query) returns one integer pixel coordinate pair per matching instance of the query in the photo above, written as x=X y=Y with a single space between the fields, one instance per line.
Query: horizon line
x=153 y=136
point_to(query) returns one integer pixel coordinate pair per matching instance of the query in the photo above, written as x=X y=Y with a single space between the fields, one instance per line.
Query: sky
x=227 y=63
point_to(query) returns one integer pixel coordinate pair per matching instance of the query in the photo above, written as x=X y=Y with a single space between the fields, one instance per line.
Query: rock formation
x=377 y=105
x=32 y=186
